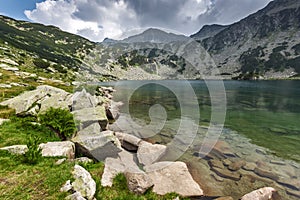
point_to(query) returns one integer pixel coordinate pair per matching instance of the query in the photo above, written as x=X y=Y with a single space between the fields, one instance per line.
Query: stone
x=16 y=149
x=266 y=193
x=293 y=193
x=266 y=173
x=3 y=121
x=55 y=101
x=226 y=162
x=172 y=177
x=128 y=142
x=277 y=162
x=99 y=145
x=58 y=149
x=216 y=164
x=60 y=161
x=225 y=173
x=66 y=187
x=88 y=116
x=5 y=85
x=83 y=100
x=293 y=184
x=26 y=100
x=113 y=111
x=149 y=153
x=84 y=183
x=138 y=182
x=113 y=166
x=249 y=166
x=224 y=198
x=75 y=196
x=237 y=165
x=84 y=160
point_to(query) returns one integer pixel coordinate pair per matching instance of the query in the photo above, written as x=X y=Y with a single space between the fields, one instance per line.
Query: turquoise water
x=266 y=112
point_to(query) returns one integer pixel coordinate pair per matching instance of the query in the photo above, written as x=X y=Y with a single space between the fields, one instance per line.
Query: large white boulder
x=149 y=153
x=172 y=177
x=16 y=149
x=266 y=193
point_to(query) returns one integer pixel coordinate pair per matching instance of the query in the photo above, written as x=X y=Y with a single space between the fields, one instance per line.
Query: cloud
x=97 y=19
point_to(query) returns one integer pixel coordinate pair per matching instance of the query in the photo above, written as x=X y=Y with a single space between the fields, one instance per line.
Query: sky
x=99 y=19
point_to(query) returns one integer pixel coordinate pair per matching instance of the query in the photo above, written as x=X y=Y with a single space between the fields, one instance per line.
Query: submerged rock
x=266 y=193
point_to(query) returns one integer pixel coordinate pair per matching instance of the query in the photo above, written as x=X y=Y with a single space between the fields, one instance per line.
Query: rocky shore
x=222 y=174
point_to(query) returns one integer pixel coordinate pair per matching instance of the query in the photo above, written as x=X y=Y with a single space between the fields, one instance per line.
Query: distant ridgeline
x=263 y=45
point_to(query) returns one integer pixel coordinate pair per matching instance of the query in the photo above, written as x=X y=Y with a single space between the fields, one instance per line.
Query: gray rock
x=88 y=116
x=266 y=173
x=113 y=166
x=84 y=183
x=75 y=196
x=55 y=101
x=16 y=149
x=113 y=111
x=83 y=100
x=57 y=149
x=138 y=182
x=172 y=177
x=128 y=142
x=149 y=153
x=3 y=120
x=66 y=187
x=99 y=145
x=60 y=161
x=26 y=101
x=84 y=160
x=266 y=193
x=225 y=173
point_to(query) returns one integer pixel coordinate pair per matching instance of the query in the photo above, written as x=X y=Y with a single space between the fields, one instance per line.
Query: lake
x=261 y=124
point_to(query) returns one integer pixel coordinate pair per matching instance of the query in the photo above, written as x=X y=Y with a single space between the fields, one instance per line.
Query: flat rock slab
x=25 y=101
x=128 y=142
x=266 y=173
x=58 y=149
x=173 y=177
x=99 y=145
x=138 y=182
x=149 y=153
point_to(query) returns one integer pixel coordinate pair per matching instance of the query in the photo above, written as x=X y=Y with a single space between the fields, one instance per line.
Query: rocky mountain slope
x=38 y=47
x=264 y=44
x=208 y=31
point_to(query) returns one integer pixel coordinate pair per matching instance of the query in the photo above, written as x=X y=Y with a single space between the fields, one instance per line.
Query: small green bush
x=33 y=155
x=59 y=120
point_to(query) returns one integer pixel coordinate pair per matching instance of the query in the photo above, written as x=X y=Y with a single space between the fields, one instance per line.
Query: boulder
x=113 y=166
x=172 y=177
x=149 y=153
x=58 y=149
x=88 y=116
x=75 y=196
x=15 y=149
x=99 y=145
x=27 y=100
x=84 y=183
x=128 y=142
x=66 y=187
x=83 y=100
x=113 y=111
x=55 y=101
x=266 y=193
x=138 y=182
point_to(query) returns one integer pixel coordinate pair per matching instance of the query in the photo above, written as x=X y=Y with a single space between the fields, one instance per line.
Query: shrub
x=40 y=63
x=60 y=121
x=33 y=155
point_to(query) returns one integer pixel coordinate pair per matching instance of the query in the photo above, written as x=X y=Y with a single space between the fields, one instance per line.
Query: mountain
x=208 y=31
x=38 y=47
x=154 y=36
x=265 y=44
